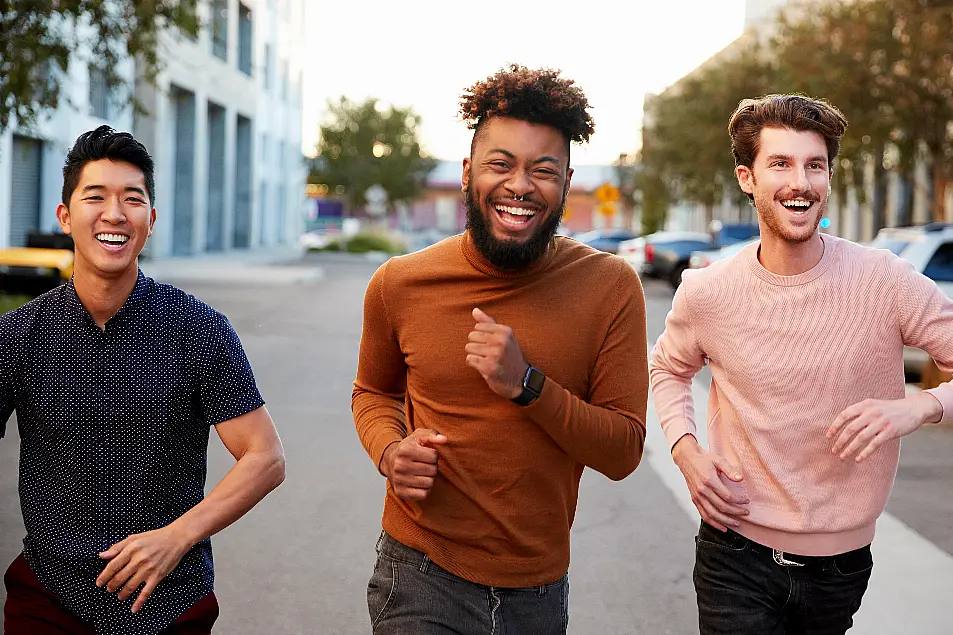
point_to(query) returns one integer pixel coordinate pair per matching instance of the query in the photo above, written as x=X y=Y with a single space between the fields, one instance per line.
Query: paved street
x=299 y=563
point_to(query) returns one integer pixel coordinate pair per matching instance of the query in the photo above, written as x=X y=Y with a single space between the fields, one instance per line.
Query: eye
x=93 y=198
x=499 y=164
x=778 y=164
x=136 y=200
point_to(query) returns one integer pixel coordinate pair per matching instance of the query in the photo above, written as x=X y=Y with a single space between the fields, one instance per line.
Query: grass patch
x=10 y=302
x=364 y=242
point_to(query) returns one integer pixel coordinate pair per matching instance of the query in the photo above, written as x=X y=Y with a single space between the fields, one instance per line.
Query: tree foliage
x=887 y=64
x=370 y=143
x=39 y=39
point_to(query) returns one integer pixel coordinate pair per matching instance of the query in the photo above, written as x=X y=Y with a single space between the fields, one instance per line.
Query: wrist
x=929 y=408
x=387 y=459
x=185 y=534
x=687 y=445
x=517 y=390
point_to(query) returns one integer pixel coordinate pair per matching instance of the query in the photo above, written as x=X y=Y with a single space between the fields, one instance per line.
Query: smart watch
x=532 y=386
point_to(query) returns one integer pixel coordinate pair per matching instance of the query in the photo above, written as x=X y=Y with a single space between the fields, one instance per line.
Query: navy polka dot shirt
x=114 y=428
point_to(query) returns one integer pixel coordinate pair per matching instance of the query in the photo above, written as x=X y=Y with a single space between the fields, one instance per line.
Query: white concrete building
x=224 y=128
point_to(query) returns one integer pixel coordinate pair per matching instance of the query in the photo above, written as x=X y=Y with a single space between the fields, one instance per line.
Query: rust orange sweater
x=504 y=499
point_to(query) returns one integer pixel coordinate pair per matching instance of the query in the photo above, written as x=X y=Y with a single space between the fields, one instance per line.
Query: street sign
x=607 y=193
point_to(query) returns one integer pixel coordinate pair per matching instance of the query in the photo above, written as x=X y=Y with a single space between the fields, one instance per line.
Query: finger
x=130 y=587
x=482 y=350
x=411 y=494
x=115 y=550
x=115 y=566
x=882 y=437
x=481 y=364
x=849 y=413
x=122 y=577
x=428 y=438
x=849 y=431
x=860 y=441
x=144 y=595
x=712 y=483
x=711 y=521
x=482 y=317
x=418 y=454
x=727 y=469
x=724 y=506
x=417 y=468
x=415 y=482
x=491 y=328
x=481 y=337
x=719 y=518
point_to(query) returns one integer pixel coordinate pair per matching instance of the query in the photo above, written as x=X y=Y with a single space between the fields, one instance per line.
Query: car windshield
x=895 y=245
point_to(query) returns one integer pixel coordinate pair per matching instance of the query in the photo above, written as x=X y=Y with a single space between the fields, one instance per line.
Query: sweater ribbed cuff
x=944 y=394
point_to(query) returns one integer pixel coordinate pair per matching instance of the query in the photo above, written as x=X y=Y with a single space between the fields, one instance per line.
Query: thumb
x=728 y=469
x=480 y=316
x=428 y=438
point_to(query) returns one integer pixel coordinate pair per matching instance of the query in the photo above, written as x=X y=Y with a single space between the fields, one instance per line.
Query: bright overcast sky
x=424 y=53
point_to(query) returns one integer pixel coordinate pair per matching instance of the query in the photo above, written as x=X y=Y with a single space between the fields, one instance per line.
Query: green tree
x=39 y=38
x=370 y=143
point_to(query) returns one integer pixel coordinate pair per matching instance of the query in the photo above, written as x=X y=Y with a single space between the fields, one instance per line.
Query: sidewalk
x=272 y=265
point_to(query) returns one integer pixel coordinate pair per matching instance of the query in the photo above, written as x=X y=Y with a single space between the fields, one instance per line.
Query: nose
x=520 y=184
x=113 y=211
x=799 y=181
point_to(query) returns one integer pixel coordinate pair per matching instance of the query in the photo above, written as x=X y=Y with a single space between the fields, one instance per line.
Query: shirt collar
x=76 y=310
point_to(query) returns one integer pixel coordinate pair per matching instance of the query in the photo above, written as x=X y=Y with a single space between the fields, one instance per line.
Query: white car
x=930 y=249
x=700 y=259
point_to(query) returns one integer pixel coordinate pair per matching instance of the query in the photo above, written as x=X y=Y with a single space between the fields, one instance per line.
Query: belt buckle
x=784 y=562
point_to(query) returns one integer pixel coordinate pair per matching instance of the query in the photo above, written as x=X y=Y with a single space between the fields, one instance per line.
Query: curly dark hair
x=538 y=96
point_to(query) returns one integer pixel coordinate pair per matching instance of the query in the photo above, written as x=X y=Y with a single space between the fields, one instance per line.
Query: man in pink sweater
x=804 y=334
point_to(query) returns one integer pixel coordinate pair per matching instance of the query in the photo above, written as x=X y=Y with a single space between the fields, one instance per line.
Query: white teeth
x=113 y=238
x=515 y=211
x=796 y=203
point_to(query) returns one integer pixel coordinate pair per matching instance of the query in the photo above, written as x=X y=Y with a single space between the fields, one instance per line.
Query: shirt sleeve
x=227 y=389
x=377 y=400
x=676 y=359
x=606 y=430
x=8 y=362
x=926 y=322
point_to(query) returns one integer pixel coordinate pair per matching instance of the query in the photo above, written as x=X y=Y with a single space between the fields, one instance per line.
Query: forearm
x=927 y=408
x=674 y=404
x=607 y=440
x=251 y=478
x=380 y=421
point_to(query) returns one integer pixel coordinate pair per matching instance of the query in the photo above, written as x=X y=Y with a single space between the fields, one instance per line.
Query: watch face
x=535 y=380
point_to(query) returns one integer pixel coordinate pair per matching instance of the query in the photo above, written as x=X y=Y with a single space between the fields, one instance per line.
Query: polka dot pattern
x=114 y=427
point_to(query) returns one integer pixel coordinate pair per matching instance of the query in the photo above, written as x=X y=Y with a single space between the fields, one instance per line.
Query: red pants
x=31 y=609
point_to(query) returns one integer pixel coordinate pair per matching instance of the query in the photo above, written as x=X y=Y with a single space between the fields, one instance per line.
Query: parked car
x=605 y=239
x=930 y=249
x=700 y=259
x=45 y=262
x=664 y=255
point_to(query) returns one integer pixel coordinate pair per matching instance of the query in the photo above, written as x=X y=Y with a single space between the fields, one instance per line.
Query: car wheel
x=676 y=278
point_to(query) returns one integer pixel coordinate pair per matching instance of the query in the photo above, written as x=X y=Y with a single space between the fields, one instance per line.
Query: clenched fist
x=493 y=351
x=411 y=464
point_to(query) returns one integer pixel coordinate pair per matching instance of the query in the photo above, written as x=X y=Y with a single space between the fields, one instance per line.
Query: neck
x=103 y=297
x=784 y=258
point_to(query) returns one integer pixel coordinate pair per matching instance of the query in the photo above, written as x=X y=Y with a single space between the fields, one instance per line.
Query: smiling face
x=516 y=181
x=109 y=217
x=790 y=182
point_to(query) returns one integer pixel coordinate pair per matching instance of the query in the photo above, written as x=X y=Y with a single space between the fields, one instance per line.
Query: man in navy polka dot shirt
x=116 y=381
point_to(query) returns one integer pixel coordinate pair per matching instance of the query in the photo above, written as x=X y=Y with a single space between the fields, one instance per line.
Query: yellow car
x=36 y=268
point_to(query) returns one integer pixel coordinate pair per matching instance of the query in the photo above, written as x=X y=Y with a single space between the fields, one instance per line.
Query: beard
x=510 y=254
x=769 y=214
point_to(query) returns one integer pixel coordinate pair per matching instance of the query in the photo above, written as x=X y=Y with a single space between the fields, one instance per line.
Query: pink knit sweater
x=787 y=355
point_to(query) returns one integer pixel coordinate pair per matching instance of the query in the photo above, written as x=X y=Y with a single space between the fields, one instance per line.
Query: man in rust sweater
x=494 y=367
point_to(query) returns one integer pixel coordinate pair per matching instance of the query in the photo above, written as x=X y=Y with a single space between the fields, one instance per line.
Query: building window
x=269 y=73
x=220 y=29
x=284 y=80
x=245 y=41
x=98 y=92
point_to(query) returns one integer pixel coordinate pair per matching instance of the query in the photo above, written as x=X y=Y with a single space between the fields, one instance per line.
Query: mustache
x=807 y=195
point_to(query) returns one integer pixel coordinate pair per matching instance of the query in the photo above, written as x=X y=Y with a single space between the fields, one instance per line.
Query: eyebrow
x=128 y=188
x=510 y=155
x=790 y=159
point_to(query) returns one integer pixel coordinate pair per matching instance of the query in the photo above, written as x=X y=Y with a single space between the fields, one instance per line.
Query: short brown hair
x=536 y=96
x=796 y=112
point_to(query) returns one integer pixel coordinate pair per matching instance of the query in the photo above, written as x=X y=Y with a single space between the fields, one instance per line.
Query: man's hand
x=715 y=502
x=411 y=464
x=493 y=351
x=145 y=558
x=867 y=425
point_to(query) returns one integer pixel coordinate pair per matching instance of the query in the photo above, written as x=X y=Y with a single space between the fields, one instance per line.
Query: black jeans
x=410 y=595
x=743 y=590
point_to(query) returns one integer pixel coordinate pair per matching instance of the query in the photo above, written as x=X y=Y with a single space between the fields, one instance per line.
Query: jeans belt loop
x=784 y=562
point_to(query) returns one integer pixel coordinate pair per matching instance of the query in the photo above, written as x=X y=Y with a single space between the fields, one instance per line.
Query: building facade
x=223 y=123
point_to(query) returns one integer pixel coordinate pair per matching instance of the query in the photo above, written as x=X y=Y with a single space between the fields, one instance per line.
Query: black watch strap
x=532 y=387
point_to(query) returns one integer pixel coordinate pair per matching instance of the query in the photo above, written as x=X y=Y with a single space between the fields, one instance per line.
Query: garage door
x=25 y=190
